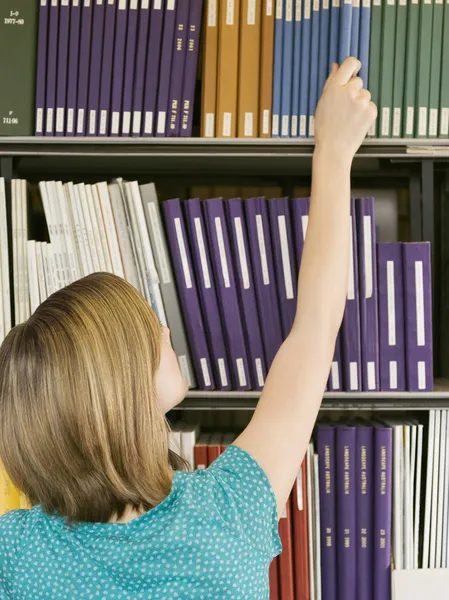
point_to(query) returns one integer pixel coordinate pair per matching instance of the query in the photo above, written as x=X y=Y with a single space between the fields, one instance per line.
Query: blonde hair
x=81 y=431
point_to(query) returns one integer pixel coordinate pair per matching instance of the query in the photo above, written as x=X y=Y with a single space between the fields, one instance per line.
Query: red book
x=274 y=579
x=214 y=449
x=200 y=452
x=300 y=535
x=286 y=558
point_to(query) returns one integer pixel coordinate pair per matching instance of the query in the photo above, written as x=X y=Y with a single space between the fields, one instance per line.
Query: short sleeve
x=12 y=528
x=246 y=500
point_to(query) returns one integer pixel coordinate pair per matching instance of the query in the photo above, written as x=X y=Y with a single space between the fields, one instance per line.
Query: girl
x=84 y=387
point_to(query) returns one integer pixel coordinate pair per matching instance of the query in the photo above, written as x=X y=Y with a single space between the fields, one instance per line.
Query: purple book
x=369 y=327
x=61 y=79
x=84 y=67
x=245 y=286
x=227 y=292
x=72 y=68
x=130 y=64
x=346 y=512
x=141 y=59
x=118 y=68
x=325 y=445
x=207 y=292
x=352 y=351
x=173 y=124
x=187 y=289
x=41 y=67
x=335 y=382
x=383 y=466
x=106 y=68
x=152 y=67
x=52 y=67
x=96 y=57
x=166 y=66
x=285 y=268
x=418 y=314
x=191 y=67
x=391 y=317
x=365 y=511
x=263 y=269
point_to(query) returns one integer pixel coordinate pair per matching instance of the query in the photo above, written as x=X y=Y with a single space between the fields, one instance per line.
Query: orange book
x=210 y=65
x=249 y=74
x=266 y=68
x=228 y=63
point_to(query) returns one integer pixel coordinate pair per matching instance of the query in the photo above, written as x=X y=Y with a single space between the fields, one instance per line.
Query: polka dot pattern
x=213 y=537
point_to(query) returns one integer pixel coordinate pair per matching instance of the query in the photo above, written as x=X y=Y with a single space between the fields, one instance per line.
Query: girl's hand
x=344 y=113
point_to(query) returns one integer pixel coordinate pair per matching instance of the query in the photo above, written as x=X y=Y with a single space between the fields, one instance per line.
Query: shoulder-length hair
x=81 y=431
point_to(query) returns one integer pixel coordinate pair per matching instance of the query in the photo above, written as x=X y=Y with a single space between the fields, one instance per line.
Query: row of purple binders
x=236 y=263
x=117 y=67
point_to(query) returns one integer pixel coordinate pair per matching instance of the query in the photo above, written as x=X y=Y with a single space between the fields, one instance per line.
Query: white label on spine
x=212 y=13
x=60 y=120
x=386 y=121
x=371 y=372
x=227 y=122
x=368 y=256
x=351 y=281
x=161 y=122
x=241 y=371
x=229 y=12
x=259 y=371
x=210 y=124
x=335 y=376
x=49 y=120
x=122 y=5
x=302 y=125
x=421 y=375
x=242 y=252
x=422 y=127
x=294 y=127
x=269 y=10
x=145 y=4
x=279 y=7
x=39 y=120
x=396 y=122
x=393 y=368
x=262 y=250
x=419 y=293
x=353 y=376
x=183 y=365
x=171 y=5
x=286 y=267
x=205 y=370
x=305 y=224
x=285 y=124
x=433 y=122
x=158 y=244
x=299 y=490
x=92 y=121
x=307 y=8
x=251 y=17
x=248 y=124
x=391 y=299
x=103 y=121
x=298 y=6
x=222 y=252
x=409 y=120
x=137 y=122
x=148 y=123
x=222 y=370
x=115 y=123
x=126 y=125
x=183 y=253
x=202 y=251
x=266 y=122
x=275 y=125
x=289 y=10
x=444 y=127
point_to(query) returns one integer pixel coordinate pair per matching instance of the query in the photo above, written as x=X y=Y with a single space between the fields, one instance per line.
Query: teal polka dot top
x=213 y=537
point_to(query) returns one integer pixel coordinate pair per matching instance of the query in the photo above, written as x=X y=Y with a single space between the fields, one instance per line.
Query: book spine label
x=152 y=68
x=365 y=511
x=191 y=67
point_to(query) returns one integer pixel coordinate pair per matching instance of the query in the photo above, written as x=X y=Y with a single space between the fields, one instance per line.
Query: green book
x=424 y=64
x=411 y=60
x=18 y=40
x=444 y=97
x=387 y=67
x=399 y=66
x=435 y=67
x=374 y=57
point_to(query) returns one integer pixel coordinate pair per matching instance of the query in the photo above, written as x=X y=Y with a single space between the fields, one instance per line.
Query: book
x=411 y=60
x=152 y=67
x=365 y=510
x=173 y=123
x=84 y=66
x=205 y=276
x=52 y=67
x=344 y=45
x=391 y=317
x=191 y=66
x=249 y=73
x=418 y=314
x=227 y=70
x=399 y=68
x=364 y=40
x=387 y=67
x=369 y=327
x=296 y=78
x=436 y=65
x=444 y=93
x=375 y=49
x=314 y=65
x=107 y=67
x=41 y=68
x=62 y=68
x=218 y=237
x=95 y=71
x=72 y=67
x=187 y=289
x=210 y=67
x=143 y=25
x=278 y=58
x=129 y=67
x=424 y=68
x=305 y=67
x=266 y=68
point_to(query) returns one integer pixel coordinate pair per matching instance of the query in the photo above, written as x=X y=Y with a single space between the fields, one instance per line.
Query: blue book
x=323 y=55
x=344 y=45
x=305 y=68
x=277 y=68
x=364 y=38
x=355 y=29
x=296 y=68
x=334 y=33
x=314 y=50
x=287 y=69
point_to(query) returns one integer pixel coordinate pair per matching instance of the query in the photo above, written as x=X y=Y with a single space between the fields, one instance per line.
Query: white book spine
x=40 y=272
x=111 y=232
x=102 y=230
